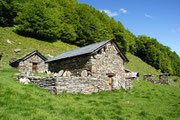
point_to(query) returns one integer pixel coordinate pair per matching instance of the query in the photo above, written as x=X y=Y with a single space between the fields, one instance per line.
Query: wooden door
x=34 y=67
x=110 y=83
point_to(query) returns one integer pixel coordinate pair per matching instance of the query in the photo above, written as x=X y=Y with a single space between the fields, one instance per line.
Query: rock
x=93 y=69
x=11 y=60
x=16 y=75
x=68 y=74
x=27 y=73
x=60 y=73
x=50 y=56
x=24 y=80
x=17 y=50
x=31 y=74
x=8 y=41
x=48 y=73
x=64 y=74
x=1 y=67
x=123 y=85
x=84 y=73
x=55 y=74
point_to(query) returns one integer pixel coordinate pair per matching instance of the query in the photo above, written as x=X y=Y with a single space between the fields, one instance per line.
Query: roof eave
x=67 y=58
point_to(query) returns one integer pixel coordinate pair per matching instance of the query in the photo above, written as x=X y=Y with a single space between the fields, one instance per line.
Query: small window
x=99 y=51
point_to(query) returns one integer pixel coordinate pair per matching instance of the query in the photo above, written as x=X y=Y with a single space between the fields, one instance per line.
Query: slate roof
x=15 y=62
x=80 y=51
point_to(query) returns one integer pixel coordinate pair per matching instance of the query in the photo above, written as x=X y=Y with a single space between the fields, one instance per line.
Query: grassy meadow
x=146 y=101
x=27 y=44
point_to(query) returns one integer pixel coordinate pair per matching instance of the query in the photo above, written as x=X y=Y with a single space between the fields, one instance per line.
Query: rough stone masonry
x=86 y=73
x=57 y=85
x=105 y=59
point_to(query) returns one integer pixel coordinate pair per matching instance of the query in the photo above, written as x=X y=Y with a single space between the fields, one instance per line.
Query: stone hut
x=131 y=75
x=31 y=62
x=94 y=61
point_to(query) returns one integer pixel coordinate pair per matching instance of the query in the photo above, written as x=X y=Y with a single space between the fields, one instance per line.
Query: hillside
x=137 y=65
x=27 y=44
x=19 y=101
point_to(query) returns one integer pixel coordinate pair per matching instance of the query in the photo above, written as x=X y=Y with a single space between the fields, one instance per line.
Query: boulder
x=24 y=80
x=68 y=74
x=11 y=60
x=1 y=67
x=55 y=74
x=8 y=41
x=60 y=73
x=64 y=74
x=50 y=56
x=17 y=50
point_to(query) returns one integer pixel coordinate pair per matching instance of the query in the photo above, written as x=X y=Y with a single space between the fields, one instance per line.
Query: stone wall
x=75 y=65
x=26 y=66
x=149 y=78
x=48 y=83
x=163 y=78
x=85 y=85
x=105 y=60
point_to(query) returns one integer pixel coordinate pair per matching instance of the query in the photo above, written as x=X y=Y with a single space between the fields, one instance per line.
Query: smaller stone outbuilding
x=131 y=75
x=31 y=62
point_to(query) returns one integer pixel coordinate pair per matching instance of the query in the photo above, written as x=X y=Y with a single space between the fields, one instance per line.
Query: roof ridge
x=79 y=51
x=28 y=54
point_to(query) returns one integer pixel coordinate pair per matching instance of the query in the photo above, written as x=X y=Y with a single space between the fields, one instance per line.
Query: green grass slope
x=146 y=101
x=135 y=64
x=27 y=45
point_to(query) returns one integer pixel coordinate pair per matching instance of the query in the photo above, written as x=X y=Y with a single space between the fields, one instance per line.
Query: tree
x=8 y=11
x=40 y=19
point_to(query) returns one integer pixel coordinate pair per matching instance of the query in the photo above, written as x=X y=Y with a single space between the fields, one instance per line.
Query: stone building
x=32 y=62
x=93 y=61
x=131 y=75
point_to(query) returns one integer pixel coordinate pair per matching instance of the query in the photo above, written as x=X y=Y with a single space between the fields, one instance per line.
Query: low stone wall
x=163 y=78
x=85 y=85
x=149 y=78
x=47 y=83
